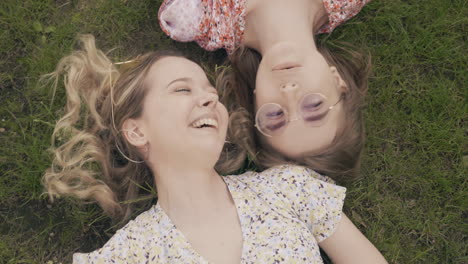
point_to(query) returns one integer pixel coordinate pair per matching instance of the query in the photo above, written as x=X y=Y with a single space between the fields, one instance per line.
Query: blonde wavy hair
x=91 y=159
x=341 y=159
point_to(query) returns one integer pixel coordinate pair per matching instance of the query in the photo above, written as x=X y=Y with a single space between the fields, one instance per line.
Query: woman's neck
x=274 y=21
x=187 y=191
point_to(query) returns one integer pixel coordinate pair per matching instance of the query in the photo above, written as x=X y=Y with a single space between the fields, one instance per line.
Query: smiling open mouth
x=205 y=123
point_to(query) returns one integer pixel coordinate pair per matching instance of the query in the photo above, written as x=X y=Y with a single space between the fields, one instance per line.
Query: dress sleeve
x=339 y=11
x=121 y=248
x=213 y=24
x=181 y=19
x=314 y=201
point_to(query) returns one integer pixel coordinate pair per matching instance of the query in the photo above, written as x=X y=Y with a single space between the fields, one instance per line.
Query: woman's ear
x=341 y=84
x=133 y=134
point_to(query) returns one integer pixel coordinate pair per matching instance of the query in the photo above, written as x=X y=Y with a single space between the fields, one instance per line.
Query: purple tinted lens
x=314 y=109
x=271 y=118
x=312 y=103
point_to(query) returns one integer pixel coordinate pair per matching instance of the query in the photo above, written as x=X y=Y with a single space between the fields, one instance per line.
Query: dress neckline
x=236 y=199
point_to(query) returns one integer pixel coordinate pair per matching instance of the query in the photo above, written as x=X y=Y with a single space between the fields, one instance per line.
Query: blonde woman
x=159 y=122
x=303 y=101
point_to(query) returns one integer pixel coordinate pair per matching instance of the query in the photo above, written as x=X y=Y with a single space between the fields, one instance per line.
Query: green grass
x=410 y=202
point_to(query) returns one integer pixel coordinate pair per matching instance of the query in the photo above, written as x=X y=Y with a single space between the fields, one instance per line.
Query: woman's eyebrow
x=183 y=79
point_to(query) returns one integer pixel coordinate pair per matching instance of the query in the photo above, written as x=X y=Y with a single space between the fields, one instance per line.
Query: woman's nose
x=290 y=90
x=289 y=87
x=208 y=100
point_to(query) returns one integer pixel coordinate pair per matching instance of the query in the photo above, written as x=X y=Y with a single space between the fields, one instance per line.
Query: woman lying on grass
x=159 y=123
x=304 y=101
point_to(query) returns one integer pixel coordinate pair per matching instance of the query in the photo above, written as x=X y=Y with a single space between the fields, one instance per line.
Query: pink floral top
x=216 y=24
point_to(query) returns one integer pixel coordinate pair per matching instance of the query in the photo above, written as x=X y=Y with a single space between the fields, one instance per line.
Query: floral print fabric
x=340 y=11
x=284 y=212
x=216 y=24
x=213 y=24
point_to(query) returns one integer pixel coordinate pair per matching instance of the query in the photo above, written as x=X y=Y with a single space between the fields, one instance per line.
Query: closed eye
x=312 y=106
x=274 y=114
x=273 y=127
x=181 y=90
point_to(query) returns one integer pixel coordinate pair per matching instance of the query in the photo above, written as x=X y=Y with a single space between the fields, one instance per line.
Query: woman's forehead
x=169 y=69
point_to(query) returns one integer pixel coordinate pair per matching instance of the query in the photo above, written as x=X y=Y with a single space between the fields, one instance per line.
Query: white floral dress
x=284 y=212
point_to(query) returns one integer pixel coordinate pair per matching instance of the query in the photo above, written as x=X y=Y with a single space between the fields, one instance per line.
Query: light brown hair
x=341 y=159
x=91 y=157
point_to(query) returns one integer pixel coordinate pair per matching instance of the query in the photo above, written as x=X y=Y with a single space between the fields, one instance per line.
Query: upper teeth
x=205 y=121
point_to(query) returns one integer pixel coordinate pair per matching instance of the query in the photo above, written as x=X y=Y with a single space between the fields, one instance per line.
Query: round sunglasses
x=271 y=119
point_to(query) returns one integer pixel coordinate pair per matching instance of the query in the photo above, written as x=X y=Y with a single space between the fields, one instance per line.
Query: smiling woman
x=186 y=106
x=112 y=99
x=154 y=123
